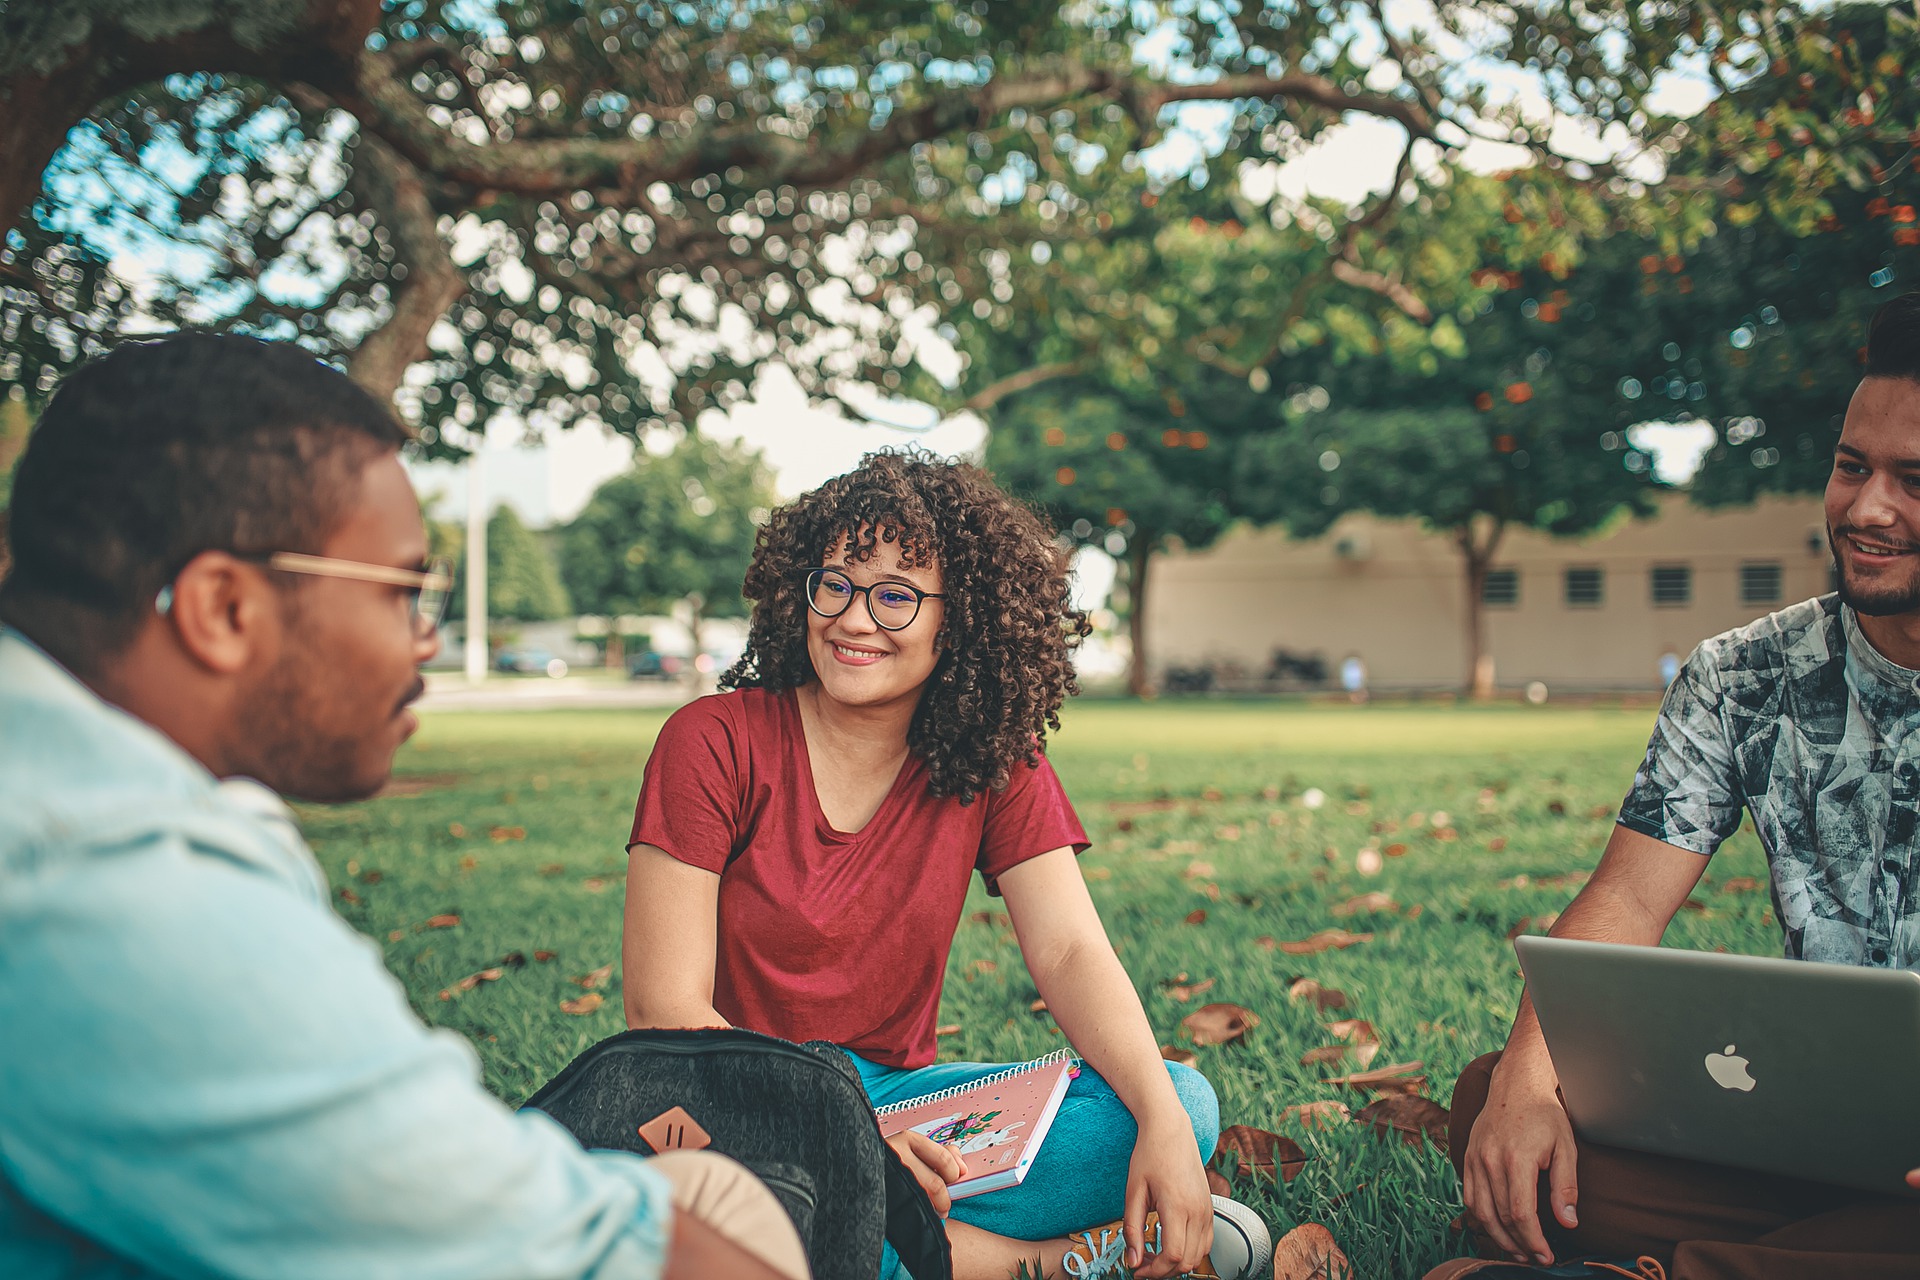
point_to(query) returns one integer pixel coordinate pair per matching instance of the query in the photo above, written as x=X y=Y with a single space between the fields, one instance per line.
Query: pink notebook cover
x=996 y=1124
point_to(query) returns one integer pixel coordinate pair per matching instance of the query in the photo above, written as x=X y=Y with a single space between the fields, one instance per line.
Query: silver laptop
x=1777 y=1065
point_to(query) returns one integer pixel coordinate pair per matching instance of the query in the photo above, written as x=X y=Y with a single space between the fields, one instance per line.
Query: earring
x=163 y=603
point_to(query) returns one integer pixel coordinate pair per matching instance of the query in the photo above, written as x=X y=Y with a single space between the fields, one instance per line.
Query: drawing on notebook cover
x=997 y=1122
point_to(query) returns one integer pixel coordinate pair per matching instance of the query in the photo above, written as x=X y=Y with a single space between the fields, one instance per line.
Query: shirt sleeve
x=210 y=1075
x=1031 y=817
x=1686 y=791
x=689 y=803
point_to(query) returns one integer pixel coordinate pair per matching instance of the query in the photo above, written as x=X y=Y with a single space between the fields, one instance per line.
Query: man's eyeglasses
x=892 y=605
x=430 y=587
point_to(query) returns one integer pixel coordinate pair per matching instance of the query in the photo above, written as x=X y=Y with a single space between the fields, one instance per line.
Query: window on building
x=1502 y=587
x=1586 y=588
x=1672 y=584
x=1760 y=582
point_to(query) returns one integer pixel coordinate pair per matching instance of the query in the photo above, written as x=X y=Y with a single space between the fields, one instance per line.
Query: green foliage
x=1161 y=788
x=678 y=526
x=523 y=583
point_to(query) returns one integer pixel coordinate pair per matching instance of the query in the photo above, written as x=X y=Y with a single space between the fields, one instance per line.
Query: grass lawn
x=1481 y=817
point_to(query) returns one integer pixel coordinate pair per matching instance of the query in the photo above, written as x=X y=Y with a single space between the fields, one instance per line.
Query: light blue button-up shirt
x=205 y=1072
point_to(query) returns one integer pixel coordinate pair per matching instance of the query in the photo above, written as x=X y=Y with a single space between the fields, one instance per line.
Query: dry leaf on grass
x=598 y=978
x=448 y=921
x=1408 y=1114
x=1527 y=924
x=507 y=833
x=554 y=869
x=1039 y=1005
x=1309 y=1252
x=1322 y=997
x=1182 y=990
x=1325 y=940
x=1199 y=871
x=471 y=981
x=947 y=1029
x=984 y=966
x=585 y=1005
x=1219 y=1185
x=1396 y=1077
x=1395 y=850
x=1197 y=916
x=1174 y=1053
x=1366 y=904
x=1219 y=1023
x=990 y=917
x=595 y=884
x=1324 y=1054
x=1318 y=1115
x=541 y=957
x=1260 y=1153
x=1740 y=884
x=1355 y=1031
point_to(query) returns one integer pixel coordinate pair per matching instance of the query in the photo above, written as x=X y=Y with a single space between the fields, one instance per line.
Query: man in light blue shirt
x=220 y=593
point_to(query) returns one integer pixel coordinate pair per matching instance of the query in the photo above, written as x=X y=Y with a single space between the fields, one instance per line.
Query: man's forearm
x=1598 y=913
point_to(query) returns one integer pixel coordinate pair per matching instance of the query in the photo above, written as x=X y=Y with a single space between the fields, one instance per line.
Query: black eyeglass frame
x=810 y=581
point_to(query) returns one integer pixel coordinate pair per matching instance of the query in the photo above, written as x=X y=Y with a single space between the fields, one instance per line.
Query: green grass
x=1161 y=789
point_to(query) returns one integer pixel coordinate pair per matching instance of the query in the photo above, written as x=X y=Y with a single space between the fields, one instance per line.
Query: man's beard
x=1879 y=602
x=291 y=742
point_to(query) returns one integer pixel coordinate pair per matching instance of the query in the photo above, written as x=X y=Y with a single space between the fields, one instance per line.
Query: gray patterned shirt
x=1803 y=723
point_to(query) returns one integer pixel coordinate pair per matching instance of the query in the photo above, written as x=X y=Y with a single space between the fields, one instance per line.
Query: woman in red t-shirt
x=803 y=845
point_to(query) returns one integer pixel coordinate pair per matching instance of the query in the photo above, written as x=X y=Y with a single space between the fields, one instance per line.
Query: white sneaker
x=1242 y=1249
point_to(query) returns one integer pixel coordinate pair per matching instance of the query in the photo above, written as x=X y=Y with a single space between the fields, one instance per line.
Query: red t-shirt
x=825 y=934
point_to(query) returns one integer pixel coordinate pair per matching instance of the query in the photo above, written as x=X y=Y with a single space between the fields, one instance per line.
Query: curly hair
x=1004 y=665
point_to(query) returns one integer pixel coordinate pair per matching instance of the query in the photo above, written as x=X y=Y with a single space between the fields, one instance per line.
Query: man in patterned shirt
x=1809 y=720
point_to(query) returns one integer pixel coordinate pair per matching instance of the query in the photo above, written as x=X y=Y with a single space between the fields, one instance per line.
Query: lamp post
x=476 y=563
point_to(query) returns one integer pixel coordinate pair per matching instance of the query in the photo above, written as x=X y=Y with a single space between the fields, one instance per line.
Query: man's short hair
x=162 y=450
x=1893 y=340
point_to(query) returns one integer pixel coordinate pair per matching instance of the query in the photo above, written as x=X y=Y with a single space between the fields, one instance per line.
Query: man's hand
x=1913 y=1178
x=1522 y=1131
x=932 y=1166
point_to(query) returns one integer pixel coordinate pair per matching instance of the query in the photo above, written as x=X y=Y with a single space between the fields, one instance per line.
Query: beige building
x=1592 y=613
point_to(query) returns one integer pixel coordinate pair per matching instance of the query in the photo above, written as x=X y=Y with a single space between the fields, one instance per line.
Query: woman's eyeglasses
x=892 y=605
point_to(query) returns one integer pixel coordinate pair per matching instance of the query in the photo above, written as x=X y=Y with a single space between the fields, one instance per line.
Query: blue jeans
x=1079 y=1179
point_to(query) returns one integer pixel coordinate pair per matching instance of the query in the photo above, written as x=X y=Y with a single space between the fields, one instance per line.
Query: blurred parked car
x=645 y=664
x=530 y=662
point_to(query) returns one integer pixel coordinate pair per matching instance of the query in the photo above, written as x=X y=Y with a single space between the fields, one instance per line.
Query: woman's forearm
x=1090 y=995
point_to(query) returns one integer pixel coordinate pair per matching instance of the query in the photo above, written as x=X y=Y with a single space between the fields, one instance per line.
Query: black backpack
x=793 y=1113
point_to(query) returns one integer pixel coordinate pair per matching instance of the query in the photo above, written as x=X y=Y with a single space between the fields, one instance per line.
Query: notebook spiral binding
x=1058 y=1055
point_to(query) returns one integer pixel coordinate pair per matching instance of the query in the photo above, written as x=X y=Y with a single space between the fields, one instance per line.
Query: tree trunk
x=696 y=610
x=1139 y=558
x=1478 y=540
x=616 y=647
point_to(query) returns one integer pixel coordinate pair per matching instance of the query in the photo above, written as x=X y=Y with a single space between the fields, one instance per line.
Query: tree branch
x=1318 y=90
x=993 y=393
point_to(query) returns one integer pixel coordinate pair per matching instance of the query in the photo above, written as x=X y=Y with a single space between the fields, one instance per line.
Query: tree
x=598 y=210
x=523 y=584
x=678 y=528
x=1521 y=429
x=1126 y=476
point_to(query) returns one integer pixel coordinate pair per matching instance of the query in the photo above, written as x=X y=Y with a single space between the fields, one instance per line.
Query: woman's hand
x=1166 y=1176
x=932 y=1166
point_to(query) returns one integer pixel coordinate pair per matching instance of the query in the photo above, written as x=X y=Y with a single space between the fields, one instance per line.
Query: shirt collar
x=1863 y=660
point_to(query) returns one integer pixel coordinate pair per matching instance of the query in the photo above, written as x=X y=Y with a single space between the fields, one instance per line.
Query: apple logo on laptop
x=1729 y=1071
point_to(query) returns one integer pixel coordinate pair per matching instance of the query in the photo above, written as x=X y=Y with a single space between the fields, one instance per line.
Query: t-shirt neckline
x=827 y=832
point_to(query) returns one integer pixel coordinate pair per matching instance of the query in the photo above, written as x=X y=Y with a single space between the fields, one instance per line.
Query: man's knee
x=1469 y=1100
x=726 y=1196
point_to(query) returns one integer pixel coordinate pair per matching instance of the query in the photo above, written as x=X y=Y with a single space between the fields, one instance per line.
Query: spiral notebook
x=996 y=1124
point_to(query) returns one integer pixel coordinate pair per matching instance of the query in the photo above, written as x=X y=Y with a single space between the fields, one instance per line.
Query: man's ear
x=224 y=613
